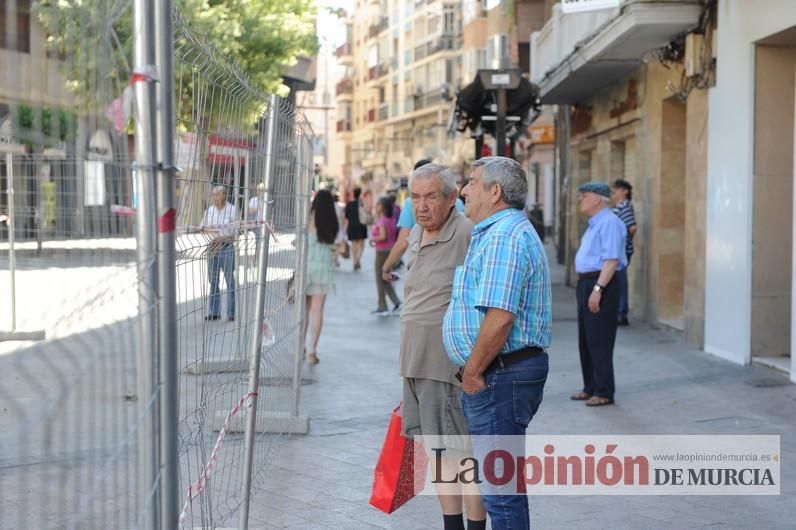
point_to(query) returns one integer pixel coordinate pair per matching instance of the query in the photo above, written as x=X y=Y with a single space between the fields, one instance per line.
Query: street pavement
x=664 y=386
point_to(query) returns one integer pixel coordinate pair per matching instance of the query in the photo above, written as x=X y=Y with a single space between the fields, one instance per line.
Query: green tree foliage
x=263 y=37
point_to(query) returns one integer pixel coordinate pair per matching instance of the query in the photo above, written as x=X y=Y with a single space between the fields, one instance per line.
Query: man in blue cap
x=600 y=255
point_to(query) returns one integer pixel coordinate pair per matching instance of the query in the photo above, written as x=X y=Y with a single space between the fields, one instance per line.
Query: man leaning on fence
x=498 y=323
x=219 y=223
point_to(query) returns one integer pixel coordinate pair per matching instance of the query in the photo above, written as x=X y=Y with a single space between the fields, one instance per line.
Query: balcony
x=384 y=111
x=445 y=42
x=344 y=87
x=575 y=55
x=343 y=126
x=345 y=53
x=429 y=98
x=379 y=25
x=378 y=71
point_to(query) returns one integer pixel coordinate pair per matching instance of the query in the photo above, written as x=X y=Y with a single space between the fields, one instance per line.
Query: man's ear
x=497 y=192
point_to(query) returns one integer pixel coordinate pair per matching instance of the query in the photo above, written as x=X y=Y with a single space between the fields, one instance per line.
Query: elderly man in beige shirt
x=432 y=396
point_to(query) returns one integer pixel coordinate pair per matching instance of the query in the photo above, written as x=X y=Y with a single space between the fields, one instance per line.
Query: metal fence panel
x=72 y=408
x=224 y=144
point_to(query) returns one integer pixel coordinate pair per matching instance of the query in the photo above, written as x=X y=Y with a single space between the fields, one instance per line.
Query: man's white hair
x=447 y=177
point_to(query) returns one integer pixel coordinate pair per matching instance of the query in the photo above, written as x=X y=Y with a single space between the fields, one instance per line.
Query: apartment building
x=403 y=62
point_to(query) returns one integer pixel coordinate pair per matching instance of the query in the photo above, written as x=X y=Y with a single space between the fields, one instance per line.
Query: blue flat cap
x=600 y=188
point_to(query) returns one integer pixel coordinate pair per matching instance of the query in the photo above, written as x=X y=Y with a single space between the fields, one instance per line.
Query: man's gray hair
x=509 y=174
x=446 y=176
x=220 y=189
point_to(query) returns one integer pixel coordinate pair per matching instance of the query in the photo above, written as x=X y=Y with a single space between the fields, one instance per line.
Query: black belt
x=589 y=275
x=507 y=359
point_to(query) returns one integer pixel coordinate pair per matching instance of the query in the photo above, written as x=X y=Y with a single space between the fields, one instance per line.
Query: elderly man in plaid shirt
x=498 y=323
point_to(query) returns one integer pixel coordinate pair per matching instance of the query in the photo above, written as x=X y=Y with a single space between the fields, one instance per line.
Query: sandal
x=580 y=396
x=312 y=358
x=597 y=401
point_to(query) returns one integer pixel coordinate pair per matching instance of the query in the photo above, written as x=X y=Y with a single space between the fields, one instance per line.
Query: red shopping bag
x=401 y=470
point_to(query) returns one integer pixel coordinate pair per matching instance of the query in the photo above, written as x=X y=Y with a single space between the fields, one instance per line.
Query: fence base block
x=267 y=422
x=21 y=335
x=217 y=367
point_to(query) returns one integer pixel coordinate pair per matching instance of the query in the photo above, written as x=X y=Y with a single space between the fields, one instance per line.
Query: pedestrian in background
x=383 y=236
x=356 y=231
x=623 y=208
x=600 y=255
x=341 y=248
x=219 y=223
x=498 y=323
x=432 y=395
x=323 y=227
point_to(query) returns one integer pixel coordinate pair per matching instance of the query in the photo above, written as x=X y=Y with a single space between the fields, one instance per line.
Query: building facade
x=405 y=61
x=64 y=165
x=622 y=113
x=687 y=101
x=749 y=289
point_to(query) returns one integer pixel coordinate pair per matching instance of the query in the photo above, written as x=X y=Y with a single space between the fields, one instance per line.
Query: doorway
x=670 y=236
x=772 y=222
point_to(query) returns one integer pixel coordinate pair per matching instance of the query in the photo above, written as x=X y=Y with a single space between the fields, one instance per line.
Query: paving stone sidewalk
x=323 y=480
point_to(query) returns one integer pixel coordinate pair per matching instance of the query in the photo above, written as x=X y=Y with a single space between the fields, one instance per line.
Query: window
x=450 y=20
x=19 y=37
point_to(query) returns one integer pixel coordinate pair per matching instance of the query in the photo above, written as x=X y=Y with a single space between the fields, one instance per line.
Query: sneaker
x=380 y=312
x=397 y=309
x=623 y=322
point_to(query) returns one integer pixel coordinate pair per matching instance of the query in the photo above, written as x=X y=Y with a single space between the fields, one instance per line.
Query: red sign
x=225 y=151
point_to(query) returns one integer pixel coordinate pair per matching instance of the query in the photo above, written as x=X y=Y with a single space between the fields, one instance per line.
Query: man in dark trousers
x=600 y=255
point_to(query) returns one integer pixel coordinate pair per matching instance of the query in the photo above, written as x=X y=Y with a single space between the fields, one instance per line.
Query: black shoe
x=623 y=322
x=231 y=318
x=212 y=317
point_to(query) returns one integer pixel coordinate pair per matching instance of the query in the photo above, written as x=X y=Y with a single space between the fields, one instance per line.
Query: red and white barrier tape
x=194 y=490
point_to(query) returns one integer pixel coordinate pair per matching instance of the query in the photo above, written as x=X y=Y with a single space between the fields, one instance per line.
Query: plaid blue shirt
x=505 y=268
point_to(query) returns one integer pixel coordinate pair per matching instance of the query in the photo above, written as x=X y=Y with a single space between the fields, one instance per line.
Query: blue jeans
x=222 y=260
x=505 y=407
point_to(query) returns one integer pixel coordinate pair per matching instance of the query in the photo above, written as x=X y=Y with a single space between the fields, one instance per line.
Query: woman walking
x=356 y=231
x=384 y=235
x=323 y=228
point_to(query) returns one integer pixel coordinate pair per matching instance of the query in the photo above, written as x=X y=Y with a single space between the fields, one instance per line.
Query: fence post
x=255 y=346
x=168 y=361
x=12 y=263
x=144 y=56
x=299 y=305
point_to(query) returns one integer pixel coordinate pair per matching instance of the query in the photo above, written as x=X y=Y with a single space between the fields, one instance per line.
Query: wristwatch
x=598 y=288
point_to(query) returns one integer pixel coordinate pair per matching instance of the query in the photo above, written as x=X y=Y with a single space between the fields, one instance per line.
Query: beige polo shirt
x=427 y=292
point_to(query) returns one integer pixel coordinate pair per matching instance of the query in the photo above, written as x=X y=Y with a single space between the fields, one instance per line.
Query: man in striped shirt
x=623 y=194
